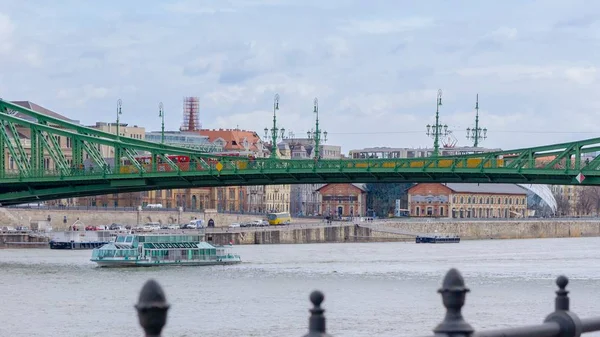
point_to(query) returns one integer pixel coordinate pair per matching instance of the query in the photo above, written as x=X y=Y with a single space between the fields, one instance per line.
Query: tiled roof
x=234 y=138
x=486 y=188
x=42 y=110
x=362 y=187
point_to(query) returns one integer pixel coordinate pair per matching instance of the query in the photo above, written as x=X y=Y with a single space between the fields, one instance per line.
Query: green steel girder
x=95 y=185
x=130 y=154
x=22 y=155
x=2 y=156
x=54 y=151
x=95 y=155
x=31 y=183
x=15 y=154
x=110 y=138
x=170 y=162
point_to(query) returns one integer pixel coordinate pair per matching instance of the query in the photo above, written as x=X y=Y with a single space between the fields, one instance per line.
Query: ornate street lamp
x=437 y=130
x=275 y=132
x=161 y=114
x=119 y=103
x=316 y=134
x=476 y=134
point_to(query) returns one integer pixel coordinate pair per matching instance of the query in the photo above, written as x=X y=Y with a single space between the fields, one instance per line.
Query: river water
x=371 y=289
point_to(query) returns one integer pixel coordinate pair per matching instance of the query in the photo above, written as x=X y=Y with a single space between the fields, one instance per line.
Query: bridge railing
x=152 y=308
x=235 y=165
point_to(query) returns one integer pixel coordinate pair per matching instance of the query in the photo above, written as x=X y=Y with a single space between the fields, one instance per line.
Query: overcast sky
x=375 y=65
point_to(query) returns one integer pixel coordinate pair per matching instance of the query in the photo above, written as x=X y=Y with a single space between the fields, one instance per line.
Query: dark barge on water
x=80 y=239
x=437 y=239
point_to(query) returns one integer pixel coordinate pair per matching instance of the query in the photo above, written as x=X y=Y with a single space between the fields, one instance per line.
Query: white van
x=154 y=206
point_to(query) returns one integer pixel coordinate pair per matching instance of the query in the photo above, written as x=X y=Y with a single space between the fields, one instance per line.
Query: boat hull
x=75 y=245
x=433 y=239
x=109 y=263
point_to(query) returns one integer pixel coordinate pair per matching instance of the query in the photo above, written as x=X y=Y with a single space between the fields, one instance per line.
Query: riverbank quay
x=61 y=219
x=377 y=231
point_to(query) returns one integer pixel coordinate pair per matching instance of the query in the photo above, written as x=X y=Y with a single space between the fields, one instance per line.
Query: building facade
x=243 y=142
x=343 y=200
x=397 y=153
x=277 y=197
x=455 y=200
x=304 y=198
x=135 y=132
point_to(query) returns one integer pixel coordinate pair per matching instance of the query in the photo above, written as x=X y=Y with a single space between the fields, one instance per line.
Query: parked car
x=115 y=227
x=235 y=225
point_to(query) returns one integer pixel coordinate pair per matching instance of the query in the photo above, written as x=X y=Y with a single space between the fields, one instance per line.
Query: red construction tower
x=191 y=112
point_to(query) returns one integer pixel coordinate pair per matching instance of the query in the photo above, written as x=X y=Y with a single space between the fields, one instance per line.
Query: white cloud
x=504 y=33
x=582 y=75
x=379 y=26
x=7 y=29
x=82 y=95
x=376 y=78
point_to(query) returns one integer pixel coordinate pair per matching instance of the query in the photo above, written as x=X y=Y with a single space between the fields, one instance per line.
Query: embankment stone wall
x=504 y=229
x=22 y=217
x=479 y=230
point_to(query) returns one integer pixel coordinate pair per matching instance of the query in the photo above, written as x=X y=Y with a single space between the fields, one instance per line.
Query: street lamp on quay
x=119 y=113
x=274 y=130
x=437 y=130
x=316 y=133
x=161 y=114
x=476 y=134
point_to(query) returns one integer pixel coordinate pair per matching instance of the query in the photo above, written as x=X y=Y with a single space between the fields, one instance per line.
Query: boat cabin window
x=120 y=239
x=129 y=239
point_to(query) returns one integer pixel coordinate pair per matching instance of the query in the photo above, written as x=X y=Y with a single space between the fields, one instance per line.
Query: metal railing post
x=152 y=309
x=453 y=293
x=570 y=325
x=316 y=322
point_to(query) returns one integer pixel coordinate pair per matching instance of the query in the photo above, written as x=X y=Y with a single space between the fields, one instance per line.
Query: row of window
x=489 y=200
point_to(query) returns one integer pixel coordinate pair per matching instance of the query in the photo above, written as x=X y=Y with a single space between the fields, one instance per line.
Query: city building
x=191 y=140
x=457 y=200
x=237 y=141
x=243 y=142
x=277 y=197
x=395 y=153
x=304 y=198
x=136 y=132
x=343 y=200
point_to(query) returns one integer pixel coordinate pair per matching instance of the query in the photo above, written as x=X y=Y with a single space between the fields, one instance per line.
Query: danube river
x=372 y=289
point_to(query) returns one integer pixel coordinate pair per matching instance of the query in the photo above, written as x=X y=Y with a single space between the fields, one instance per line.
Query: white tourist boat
x=149 y=250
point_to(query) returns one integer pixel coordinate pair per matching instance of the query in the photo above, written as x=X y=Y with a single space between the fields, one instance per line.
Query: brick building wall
x=343 y=200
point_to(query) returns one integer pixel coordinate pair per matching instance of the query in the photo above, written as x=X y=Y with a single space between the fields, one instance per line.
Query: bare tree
x=588 y=200
x=563 y=207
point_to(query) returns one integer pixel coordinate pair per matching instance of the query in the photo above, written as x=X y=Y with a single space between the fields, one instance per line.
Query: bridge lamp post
x=316 y=134
x=476 y=134
x=161 y=114
x=119 y=113
x=274 y=130
x=437 y=130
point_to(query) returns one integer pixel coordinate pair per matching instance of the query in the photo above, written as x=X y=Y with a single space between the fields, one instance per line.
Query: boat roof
x=112 y=245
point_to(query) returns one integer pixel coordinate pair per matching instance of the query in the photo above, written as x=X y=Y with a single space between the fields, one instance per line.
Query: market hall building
x=457 y=200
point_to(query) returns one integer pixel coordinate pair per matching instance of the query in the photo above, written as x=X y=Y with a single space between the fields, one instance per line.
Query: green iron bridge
x=31 y=143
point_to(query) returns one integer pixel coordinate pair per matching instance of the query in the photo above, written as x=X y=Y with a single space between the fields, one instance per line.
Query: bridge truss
x=26 y=176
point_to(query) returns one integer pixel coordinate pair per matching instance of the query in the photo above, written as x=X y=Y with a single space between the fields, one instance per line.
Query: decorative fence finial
x=562 y=298
x=316 y=322
x=453 y=296
x=569 y=322
x=152 y=308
